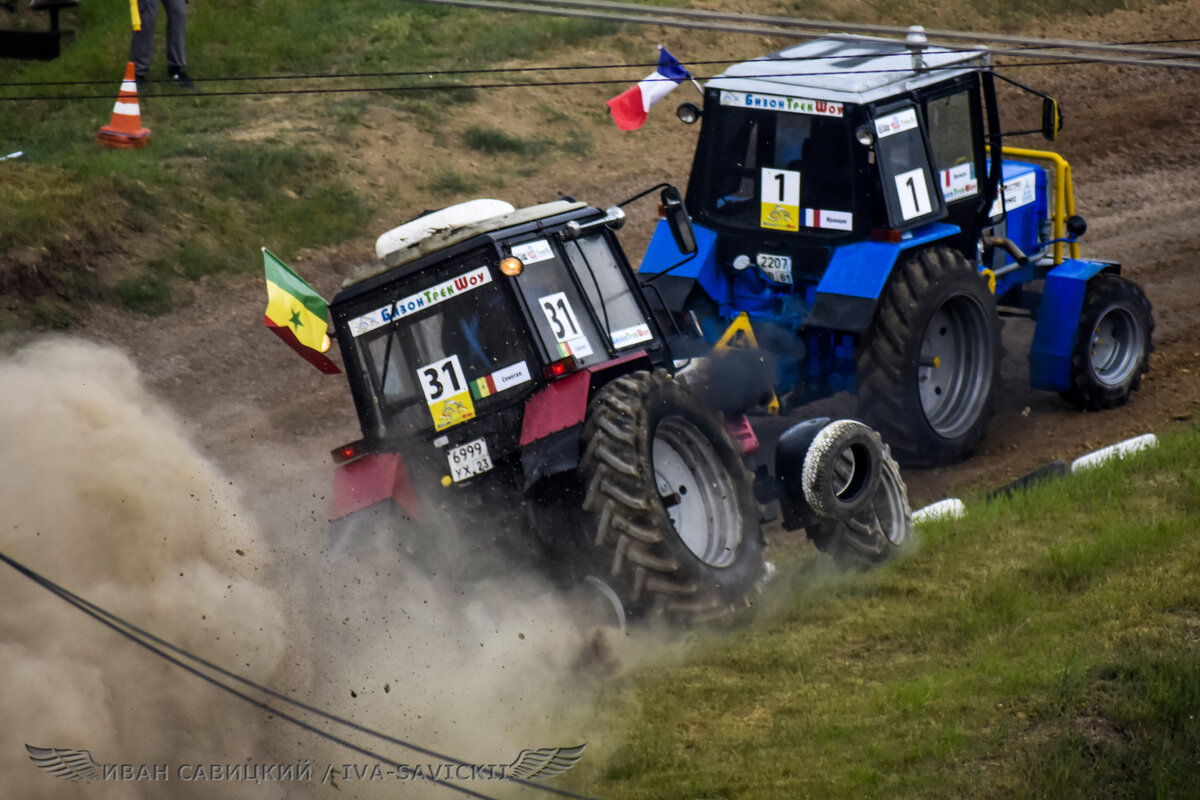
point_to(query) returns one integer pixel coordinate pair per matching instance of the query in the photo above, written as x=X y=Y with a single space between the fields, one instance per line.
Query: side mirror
x=678 y=221
x=1051 y=119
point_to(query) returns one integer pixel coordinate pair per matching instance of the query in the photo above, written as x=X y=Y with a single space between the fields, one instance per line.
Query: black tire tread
x=883 y=365
x=1084 y=392
x=630 y=519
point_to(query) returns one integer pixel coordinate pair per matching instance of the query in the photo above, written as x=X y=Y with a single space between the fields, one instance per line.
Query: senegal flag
x=297 y=314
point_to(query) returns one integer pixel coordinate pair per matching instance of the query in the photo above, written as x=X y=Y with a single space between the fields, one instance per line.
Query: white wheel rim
x=697 y=492
x=1116 y=345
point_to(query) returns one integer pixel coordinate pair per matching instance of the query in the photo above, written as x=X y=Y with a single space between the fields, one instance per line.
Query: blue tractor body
x=840 y=190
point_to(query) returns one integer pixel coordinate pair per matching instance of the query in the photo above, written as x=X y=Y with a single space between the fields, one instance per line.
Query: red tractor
x=507 y=369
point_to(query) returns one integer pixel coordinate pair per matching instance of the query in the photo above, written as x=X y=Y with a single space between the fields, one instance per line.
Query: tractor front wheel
x=929 y=364
x=675 y=515
x=1112 y=347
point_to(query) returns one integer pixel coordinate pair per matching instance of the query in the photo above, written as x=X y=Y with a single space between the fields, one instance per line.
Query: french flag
x=629 y=108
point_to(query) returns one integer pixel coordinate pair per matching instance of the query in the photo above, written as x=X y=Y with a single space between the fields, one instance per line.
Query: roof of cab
x=446 y=237
x=848 y=69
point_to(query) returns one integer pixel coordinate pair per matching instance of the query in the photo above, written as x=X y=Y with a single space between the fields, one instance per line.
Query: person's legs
x=141 y=48
x=176 y=35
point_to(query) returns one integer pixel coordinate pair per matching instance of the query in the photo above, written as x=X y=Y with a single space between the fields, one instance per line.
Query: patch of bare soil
x=268 y=418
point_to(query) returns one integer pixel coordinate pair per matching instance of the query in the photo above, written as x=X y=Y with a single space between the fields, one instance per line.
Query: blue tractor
x=853 y=198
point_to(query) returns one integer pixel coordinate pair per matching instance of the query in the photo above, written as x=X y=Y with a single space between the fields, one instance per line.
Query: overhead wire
x=165 y=650
x=1032 y=47
x=1144 y=48
x=478 y=86
x=668 y=17
x=487 y=71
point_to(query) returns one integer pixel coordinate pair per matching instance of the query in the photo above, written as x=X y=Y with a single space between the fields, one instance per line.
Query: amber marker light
x=512 y=267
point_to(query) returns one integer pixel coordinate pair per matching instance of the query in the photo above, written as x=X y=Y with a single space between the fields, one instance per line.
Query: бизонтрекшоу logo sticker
x=530 y=764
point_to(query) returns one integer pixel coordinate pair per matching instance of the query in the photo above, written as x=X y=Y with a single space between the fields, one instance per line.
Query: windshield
x=777 y=170
x=442 y=348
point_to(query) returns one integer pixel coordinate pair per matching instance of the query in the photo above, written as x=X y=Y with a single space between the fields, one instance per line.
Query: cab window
x=952 y=139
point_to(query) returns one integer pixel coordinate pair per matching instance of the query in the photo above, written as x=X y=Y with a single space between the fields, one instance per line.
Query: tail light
x=348 y=452
x=556 y=369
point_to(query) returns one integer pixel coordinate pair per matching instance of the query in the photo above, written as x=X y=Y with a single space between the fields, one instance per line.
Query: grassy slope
x=223 y=175
x=1043 y=647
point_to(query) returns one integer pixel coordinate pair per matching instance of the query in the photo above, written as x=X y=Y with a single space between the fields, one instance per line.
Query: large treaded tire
x=881 y=531
x=1113 y=344
x=934 y=304
x=641 y=429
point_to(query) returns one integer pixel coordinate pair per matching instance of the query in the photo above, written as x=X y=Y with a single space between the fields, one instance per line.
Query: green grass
x=1048 y=646
x=494 y=141
x=225 y=175
x=218 y=181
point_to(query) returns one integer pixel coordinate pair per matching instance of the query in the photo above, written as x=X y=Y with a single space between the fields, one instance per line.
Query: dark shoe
x=181 y=79
x=140 y=81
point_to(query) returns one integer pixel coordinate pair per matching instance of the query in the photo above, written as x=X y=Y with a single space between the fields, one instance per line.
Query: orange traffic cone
x=125 y=129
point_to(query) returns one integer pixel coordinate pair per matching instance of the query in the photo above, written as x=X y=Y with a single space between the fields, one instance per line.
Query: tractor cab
x=462 y=320
x=834 y=141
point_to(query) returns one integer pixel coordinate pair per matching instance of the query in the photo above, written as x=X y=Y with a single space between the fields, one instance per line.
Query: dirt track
x=270 y=421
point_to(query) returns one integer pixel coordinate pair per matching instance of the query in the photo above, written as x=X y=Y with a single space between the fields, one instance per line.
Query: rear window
x=444 y=348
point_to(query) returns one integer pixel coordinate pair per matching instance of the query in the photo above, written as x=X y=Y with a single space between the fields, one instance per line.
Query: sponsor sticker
x=774 y=102
x=631 y=335
x=500 y=380
x=1020 y=191
x=446 y=392
x=903 y=120
x=833 y=220
x=958 y=182
x=533 y=252
x=420 y=301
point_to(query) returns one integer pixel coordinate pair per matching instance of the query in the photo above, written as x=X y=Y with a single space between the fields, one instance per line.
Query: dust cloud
x=103 y=493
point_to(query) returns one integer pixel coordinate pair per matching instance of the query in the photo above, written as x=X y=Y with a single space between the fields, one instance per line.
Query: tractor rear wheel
x=929 y=365
x=1113 y=345
x=882 y=530
x=676 y=520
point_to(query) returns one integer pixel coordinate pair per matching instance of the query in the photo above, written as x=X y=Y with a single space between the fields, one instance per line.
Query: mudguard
x=553 y=416
x=1058 y=321
x=662 y=255
x=370 y=480
x=850 y=288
